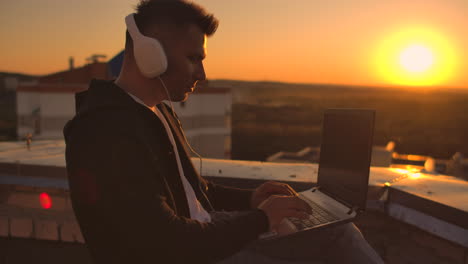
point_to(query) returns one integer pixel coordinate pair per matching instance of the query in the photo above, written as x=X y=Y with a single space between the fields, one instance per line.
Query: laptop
x=343 y=175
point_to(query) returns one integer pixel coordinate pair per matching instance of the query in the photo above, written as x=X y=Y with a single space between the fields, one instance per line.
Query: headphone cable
x=180 y=125
x=188 y=144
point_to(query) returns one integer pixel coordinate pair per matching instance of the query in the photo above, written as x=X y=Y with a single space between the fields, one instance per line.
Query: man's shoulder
x=108 y=111
x=106 y=106
x=107 y=120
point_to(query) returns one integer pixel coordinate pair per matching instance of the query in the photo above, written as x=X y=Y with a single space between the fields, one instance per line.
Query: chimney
x=71 y=62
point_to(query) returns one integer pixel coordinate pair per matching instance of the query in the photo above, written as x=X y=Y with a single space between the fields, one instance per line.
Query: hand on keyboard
x=319 y=216
x=268 y=189
x=279 y=207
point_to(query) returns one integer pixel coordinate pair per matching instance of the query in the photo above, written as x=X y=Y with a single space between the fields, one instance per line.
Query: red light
x=45 y=200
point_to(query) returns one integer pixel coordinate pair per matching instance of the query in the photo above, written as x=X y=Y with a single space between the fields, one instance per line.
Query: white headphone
x=149 y=53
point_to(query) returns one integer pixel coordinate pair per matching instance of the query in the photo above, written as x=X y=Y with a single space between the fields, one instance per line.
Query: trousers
x=340 y=244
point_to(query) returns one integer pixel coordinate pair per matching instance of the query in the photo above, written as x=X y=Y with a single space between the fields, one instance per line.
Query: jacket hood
x=102 y=95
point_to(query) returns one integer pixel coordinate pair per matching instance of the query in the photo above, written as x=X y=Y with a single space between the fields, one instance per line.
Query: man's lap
x=307 y=247
x=248 y=256
x=335 y=244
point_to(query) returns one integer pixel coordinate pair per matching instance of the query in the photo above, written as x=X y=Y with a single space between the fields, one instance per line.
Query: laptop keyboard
x=319 y=216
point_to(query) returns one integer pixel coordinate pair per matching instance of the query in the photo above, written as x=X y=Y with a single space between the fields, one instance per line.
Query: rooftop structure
x=386 y=157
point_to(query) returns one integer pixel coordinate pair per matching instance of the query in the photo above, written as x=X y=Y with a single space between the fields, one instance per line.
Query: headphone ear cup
x=149 y=56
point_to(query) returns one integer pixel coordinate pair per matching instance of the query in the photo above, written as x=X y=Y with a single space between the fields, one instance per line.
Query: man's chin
x=185 y=98
x=182 y=98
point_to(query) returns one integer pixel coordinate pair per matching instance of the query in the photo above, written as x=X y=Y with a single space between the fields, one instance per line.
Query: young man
x=135 y=192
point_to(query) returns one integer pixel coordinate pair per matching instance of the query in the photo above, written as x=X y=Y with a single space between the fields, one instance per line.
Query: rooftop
x=434 y=203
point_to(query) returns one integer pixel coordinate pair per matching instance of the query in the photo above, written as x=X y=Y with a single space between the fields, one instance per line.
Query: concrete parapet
x=4 y=226
x=70 y=232
x=21 y=227
x=46 y=230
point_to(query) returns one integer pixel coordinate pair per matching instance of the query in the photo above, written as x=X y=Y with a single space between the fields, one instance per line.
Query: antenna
x=94 y=58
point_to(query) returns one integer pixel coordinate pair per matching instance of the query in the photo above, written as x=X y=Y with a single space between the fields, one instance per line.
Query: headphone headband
x=131 y=26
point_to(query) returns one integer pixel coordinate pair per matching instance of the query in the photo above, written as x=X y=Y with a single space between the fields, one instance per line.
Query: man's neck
x=147 y=91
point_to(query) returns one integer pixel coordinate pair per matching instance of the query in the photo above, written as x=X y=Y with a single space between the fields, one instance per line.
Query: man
x=135 y=192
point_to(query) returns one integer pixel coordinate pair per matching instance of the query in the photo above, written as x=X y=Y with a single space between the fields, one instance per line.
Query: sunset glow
x=408 y=173
x=375 y=43
x=416 y=56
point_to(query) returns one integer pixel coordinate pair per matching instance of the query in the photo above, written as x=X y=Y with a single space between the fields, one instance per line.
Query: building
x=8 y=85
x=206 y=119
x=44 y=107
x=9 y=81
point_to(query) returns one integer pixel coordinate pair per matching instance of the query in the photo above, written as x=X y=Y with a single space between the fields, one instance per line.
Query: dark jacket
x=127 y=193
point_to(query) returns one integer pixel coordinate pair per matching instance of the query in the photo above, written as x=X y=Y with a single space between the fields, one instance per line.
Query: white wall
x=26 y=102
x=55 y=110
x=57 y=105
x=214 y=141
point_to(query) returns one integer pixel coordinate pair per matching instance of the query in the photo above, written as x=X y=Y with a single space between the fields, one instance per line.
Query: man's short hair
x=172 y=12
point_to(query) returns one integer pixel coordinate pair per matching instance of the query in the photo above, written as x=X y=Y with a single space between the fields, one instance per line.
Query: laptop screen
x=345 y=155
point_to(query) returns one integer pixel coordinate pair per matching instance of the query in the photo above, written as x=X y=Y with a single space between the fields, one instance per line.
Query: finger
x=301 y=215
x=297 y=214
x=292 y=190
x=289 y=188
x=292 y=203
x=279 y=188
x=266 y=184
x=307 y=207
x=299 y=204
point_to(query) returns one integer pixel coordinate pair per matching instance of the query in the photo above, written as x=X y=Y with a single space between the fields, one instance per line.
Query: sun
x=416 y=56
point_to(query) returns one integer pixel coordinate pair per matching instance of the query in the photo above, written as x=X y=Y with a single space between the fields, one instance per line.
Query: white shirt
x=197 y=212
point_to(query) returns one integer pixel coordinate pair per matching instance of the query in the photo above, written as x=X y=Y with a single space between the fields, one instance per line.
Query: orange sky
x=333 y=41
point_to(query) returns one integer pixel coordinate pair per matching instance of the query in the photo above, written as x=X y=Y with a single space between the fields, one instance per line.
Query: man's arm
x=229 y=198
x=235 y=199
